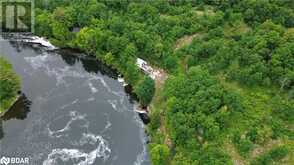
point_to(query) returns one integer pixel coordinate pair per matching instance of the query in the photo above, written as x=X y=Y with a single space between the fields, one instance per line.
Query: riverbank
x=16 y=100
x=9 y=85
x=18 y=110
x=78 y=111
x=156 y=74
x=207 y=48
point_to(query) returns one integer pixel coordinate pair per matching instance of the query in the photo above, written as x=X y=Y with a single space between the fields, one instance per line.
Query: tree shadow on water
x=19 y=111
x=90 y=63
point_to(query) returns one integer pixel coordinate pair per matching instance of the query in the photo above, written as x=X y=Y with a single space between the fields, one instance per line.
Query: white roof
x=146 y=68
x=140 y=62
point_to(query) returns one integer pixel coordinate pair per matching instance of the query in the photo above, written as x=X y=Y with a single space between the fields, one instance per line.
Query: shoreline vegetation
x=9 y=86
x=17 y=99
x=226 y=96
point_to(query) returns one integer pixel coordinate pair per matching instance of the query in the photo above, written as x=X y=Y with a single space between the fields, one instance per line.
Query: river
x=75 y=111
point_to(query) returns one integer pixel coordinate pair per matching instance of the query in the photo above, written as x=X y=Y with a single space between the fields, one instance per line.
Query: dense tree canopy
x=145 y=90
x=159 y=154
x=230 y=63
x=198 y=109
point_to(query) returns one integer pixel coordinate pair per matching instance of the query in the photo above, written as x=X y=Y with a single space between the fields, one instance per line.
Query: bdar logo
x=5 y=160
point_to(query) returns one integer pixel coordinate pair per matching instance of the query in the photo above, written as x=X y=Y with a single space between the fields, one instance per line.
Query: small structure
x=76 y=30
x=143 y=65
x=147 y=69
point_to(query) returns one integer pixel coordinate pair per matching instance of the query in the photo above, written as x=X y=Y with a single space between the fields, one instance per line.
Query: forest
x=229 y=94
x=9 y=85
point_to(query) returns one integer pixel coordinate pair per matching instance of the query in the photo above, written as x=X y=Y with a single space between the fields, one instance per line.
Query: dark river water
x=75 y=111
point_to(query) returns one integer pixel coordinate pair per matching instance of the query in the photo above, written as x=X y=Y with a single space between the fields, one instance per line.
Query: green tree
x=159 y=154
x=132 y=73
x=60 y=33
x=145 y=90
x=43 y=20
x=9 y=84
x=91 y=40
x=214 y=156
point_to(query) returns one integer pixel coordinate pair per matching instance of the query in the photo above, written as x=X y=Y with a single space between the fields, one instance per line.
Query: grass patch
x=9 y=85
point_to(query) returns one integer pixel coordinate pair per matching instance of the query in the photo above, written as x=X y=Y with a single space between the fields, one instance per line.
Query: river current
x=75 y=111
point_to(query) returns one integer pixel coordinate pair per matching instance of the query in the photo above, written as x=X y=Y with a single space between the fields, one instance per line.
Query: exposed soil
x=186 y=40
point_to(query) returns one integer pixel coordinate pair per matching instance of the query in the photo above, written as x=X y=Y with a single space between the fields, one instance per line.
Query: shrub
x=9 y=84
x=159 y=154
x=145 y=90
x=273 y=155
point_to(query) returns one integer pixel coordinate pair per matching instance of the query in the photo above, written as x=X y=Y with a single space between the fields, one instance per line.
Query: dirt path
x=185 y=40
x=160 y=78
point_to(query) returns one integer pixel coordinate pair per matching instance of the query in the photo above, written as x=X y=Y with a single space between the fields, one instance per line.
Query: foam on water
x=78 y=157
x=90 y=99
x=38 y=40
x=143 y=155
x=114 y=103
x=86 y=147
x=108 y=124
x=38 y=61
x=42 y=62
x=118 y=105
x=69 y=104
x=93 y=89
x=75 y=155
x=121 y=80
x=74 y=116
